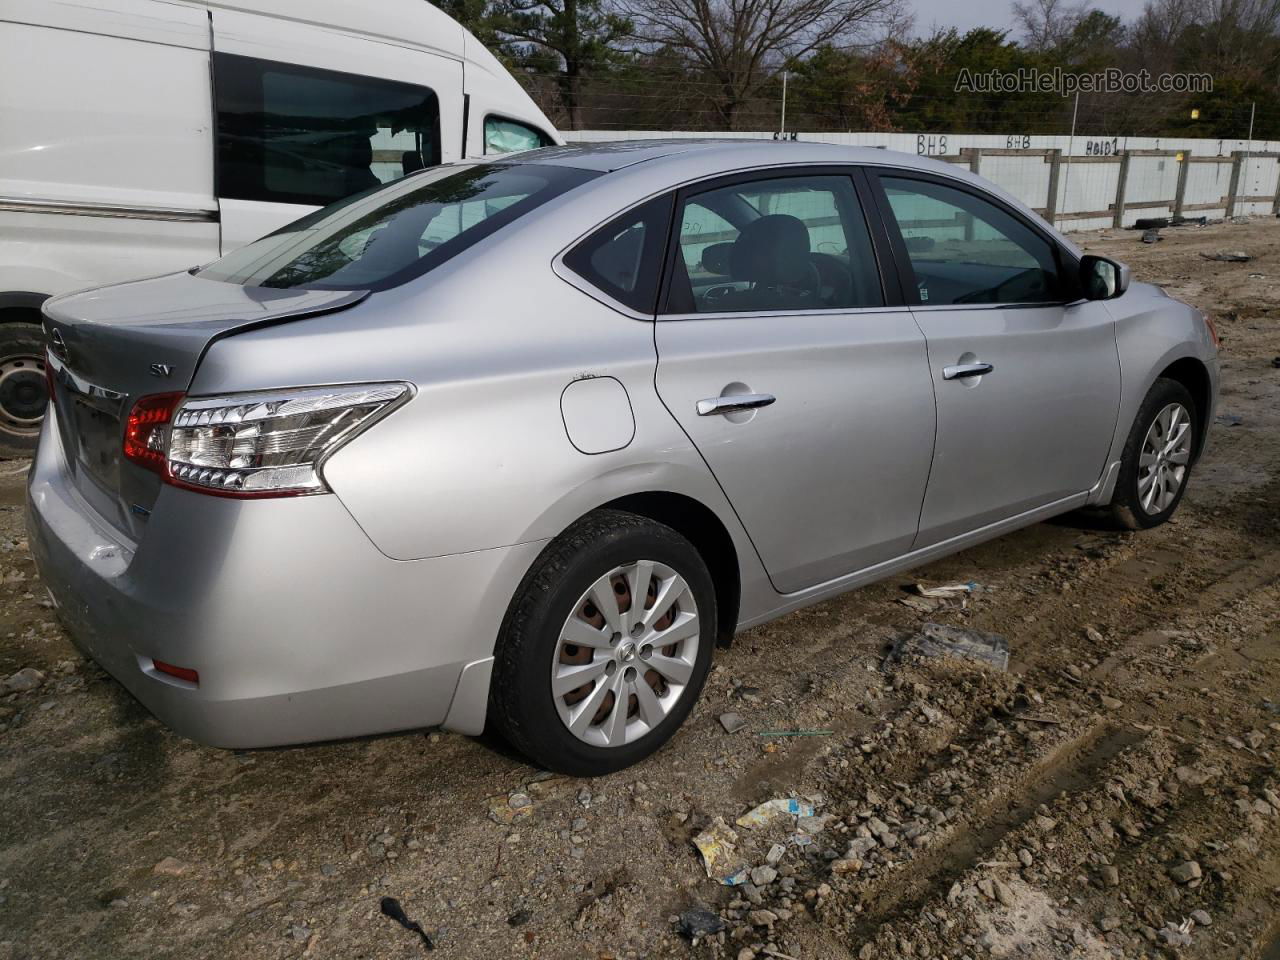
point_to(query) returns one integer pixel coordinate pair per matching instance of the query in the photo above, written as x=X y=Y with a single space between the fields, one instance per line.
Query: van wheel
x=23 y=391
x=606 y=645
x=1156 y=462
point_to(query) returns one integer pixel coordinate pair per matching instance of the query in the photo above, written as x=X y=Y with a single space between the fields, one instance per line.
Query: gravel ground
x=1113 y=794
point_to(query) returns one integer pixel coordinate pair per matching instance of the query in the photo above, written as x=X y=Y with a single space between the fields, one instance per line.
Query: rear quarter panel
x=1154 y=331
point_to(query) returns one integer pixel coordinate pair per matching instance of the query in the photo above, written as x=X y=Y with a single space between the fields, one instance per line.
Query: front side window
x=510 y=136
x=965 y=250
x=624 y=258
x=784 y=243
x=290 y=134
x=384 y=238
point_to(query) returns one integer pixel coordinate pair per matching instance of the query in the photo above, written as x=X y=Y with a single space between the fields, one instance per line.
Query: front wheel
x=1156 y=462
x=606 y=646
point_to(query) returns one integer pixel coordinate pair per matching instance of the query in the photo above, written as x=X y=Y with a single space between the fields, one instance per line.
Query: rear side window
x=290 y=134
x=624 y=258
x=510 y=136
x=964 y=249
x=386 y=237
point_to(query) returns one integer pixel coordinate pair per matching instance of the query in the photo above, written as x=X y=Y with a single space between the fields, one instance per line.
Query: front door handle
x=962 y=370
x=734 y=403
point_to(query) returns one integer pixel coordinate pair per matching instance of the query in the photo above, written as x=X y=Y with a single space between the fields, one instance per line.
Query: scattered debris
x=28 y=678
x=508 y=809
x=718 y=846
x=698 y=922
x=1186 y=871
x=732 y=722
x=929 y=599
x=1228 y=256
x=1229 y=419
x=771 y=810
x=795 y=733
x=169 y=867
x=1152 y=235
x=940 y=640
x=390 y=907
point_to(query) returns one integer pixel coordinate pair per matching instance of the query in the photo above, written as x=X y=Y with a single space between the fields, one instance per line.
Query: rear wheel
x=1156 y=462
x=606 y=645
x=23 y=391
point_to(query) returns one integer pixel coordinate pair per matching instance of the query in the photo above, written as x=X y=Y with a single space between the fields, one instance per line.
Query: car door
x=801 y=379
x=1026 y=372
x=306 y=116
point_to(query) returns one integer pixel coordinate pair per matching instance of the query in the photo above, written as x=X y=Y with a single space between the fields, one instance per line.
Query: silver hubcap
x=626 y=654
x=1166 y=451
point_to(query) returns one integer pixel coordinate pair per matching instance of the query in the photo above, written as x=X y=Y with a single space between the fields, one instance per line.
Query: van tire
x=23 y=390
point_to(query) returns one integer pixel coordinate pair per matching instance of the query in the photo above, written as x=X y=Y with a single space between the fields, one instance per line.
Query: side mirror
x=1103 y=279
x=718 y=259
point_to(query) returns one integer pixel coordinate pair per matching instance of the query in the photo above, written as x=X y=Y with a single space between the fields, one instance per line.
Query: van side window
x=510 y=136
x=290 y=134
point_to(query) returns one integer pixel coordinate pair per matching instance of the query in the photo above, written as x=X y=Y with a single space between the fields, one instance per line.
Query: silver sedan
x=519 y=443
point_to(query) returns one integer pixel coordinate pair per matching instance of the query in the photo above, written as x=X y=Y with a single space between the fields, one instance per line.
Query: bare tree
x=741 y=45
x=1047 y=24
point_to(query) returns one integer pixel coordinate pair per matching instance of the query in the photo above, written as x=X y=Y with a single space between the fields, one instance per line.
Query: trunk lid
x=113 y=345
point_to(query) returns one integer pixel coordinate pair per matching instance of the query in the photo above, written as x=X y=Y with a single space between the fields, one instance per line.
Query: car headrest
x=772 y=250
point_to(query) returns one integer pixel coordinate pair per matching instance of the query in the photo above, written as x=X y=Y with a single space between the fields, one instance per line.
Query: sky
x=967 y=14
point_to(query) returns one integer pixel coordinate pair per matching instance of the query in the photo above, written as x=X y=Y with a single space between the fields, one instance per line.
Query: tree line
x=862 y=65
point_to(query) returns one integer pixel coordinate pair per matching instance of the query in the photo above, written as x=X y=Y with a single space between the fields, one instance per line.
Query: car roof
x=604 y=156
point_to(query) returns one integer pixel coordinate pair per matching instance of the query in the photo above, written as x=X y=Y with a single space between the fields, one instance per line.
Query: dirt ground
x=1113 y=794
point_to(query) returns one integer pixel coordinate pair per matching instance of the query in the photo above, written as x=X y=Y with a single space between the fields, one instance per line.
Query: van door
x=306 y=116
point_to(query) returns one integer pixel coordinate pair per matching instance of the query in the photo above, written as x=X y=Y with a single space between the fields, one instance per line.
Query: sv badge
x=161 y=369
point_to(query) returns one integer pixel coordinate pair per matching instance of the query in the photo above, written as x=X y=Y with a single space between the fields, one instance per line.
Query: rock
x=1255 y=738
x=732 y=722
x=1110 y=703
x=1202 y=918
x=169 y=867
x=700 y=922
x=845 y=866
x=812 y=825
x=1271 y=798
x=1004 y=896
x=376 y=850
x=1173 y=936
x=1045 y=824
x=1093 y=634
x=860 y=847
x=762 y=918
x=518 y=801
x=1110 y=876
x=987 y=888
x=763 y=876
x=28 y=678
x=1186 y=871
x=1107 y=924
x=746 y=953
x=1024 y=857
x=1074 y=672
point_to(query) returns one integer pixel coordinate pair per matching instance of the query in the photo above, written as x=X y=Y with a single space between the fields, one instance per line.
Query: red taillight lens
x=182 y=673
x=146 y=432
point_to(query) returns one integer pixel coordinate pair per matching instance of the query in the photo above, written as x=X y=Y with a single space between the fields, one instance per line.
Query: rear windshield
x=386 y=236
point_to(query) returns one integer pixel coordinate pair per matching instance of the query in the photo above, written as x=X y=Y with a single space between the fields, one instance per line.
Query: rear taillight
x=145 y=437
x=268 y=444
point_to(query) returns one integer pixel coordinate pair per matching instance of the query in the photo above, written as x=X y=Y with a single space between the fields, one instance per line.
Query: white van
x=140 y=137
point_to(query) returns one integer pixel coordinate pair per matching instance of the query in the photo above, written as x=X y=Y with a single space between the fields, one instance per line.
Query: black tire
x=1126 y=503
x=521 y=706
x=23 y=391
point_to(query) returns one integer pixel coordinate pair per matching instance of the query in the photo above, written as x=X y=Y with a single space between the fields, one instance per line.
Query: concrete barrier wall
x=1100 y=182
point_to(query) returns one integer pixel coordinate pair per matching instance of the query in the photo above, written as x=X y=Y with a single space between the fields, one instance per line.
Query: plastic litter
x=391 y=908
x=940 y=640
x=1229 y=419
x=1228 y=256
x=771 y=810
x=718 y=846
x=732 y=722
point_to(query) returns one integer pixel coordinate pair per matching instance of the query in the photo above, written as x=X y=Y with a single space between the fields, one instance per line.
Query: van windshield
x=387 y=236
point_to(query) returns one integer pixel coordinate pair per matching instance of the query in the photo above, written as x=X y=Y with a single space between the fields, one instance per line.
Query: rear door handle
x=735 y=403
x=962 y=370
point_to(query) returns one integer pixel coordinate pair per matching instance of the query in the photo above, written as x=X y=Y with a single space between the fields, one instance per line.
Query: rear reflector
x=145 y=434
x=182 y=673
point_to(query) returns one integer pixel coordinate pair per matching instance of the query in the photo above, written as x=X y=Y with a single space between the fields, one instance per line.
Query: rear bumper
x=300 y=629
